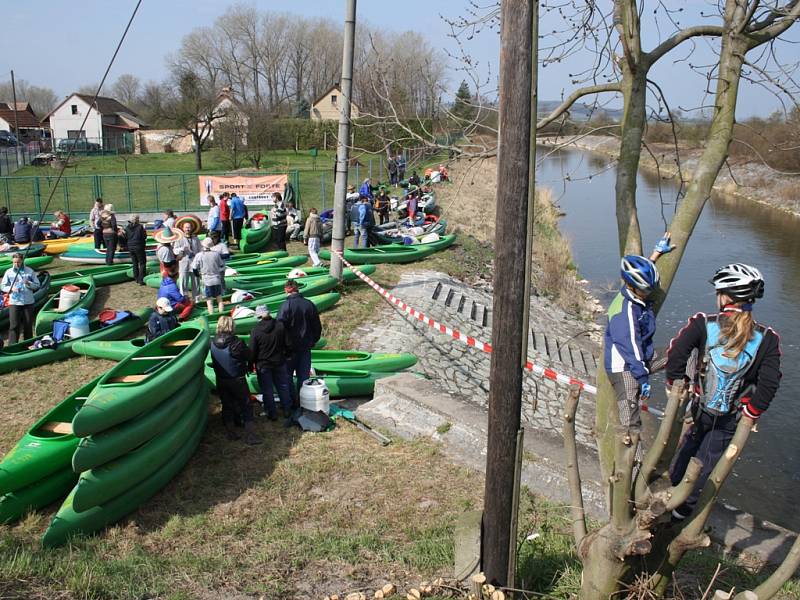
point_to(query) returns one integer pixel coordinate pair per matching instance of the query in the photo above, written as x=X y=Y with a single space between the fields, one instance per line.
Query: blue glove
x=663 y=246
x=645 y=393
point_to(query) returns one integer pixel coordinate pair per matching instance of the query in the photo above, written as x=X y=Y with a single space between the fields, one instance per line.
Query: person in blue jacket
x=238 y=214
x=366 y=189
x=629 y=334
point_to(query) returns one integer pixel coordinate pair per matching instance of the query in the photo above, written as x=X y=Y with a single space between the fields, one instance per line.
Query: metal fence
x=14 y=158
x=75 y=194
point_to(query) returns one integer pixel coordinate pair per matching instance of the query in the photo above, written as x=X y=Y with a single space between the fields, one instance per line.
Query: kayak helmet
x=640 y=272
x=739 y=281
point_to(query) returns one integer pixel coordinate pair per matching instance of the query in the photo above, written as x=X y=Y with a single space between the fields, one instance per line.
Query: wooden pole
x=342 y=149
x=510 y=303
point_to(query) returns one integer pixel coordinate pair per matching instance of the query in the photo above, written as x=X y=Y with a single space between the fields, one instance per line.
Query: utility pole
x=17 y=149
x=342 y=149
x=510 y=305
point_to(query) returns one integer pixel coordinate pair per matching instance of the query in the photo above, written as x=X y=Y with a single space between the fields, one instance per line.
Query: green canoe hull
x=18 y=357
x=342 y=383
x=266 y=268
x=393 y=253
x=255 y=240
x=34 y=262
x=40 y=296
x=52 y=488
x=88 y=255
x=122 y=349
x=100 y=485
x=154 y=373
x=247 y=281
x=48 y=312
x=245 y=325
x=363 y=361
x=97 y=450
x=42 y=452
x=102 y=275
x=68 y=522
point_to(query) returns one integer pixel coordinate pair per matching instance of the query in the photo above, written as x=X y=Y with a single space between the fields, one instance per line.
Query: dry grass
x=469 y=204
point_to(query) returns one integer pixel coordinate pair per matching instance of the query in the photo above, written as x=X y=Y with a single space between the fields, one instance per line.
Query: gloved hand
x=645 y=391
x=663 y=246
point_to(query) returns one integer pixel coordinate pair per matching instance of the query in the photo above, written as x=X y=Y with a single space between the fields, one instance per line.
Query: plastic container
x=431 y=237
x=314 y=395
x=70 y=295
x=78 y=320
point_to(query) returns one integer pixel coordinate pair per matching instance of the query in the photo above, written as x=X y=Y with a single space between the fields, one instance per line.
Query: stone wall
x=153 y=141
x=556 y=340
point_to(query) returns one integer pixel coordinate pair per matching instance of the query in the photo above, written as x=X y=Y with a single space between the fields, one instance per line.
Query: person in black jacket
x=735 y=375
x=230 y=358
x=300 y=317
x=161 y=320
x=6 y=226
x=136 y=237
x=268 y=352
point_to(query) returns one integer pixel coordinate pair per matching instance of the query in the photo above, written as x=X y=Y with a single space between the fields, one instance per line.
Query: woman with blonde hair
x=230 y=358
x=736 y=372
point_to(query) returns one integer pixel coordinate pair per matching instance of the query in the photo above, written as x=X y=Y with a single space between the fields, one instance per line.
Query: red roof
x=26 y=118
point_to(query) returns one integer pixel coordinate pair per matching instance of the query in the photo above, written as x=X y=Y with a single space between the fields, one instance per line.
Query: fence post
x=66 y=193
x=8 y=195
x=322 y=191
x=155 y=187
x=98 y=186
x=37 y=195
x=183 y=191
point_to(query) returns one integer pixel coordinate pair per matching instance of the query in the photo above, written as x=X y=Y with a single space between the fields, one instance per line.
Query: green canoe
x=393 y=253
x=49 y=312
x=88 y=254
x=249 y=258
x=144 y=379
x=255 y=240
x=364 y=361
x=39 y=494
x=395 y=235
x=342 y=383
x=33 y=250
x=266 y=267
x=18 y=357
x=99 y=485
x=121 y=349
x=47 y=447
x=68 y=522
x=34 y=262
x=107 y=445
x=102 y=275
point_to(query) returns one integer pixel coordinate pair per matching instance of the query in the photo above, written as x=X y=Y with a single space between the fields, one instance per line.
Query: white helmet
x=739 y=281
x=296 y=273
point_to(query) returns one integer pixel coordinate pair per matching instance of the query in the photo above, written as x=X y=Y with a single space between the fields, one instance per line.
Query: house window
x=333 y=99
x=74 y=109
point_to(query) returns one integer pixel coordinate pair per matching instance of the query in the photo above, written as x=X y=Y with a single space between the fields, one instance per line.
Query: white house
x=107 y=123
x=328 y=106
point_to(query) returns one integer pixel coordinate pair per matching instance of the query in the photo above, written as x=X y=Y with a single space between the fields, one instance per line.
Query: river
x=766 y=478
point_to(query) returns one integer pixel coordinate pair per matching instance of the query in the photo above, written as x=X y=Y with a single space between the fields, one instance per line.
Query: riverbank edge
x=724 y=187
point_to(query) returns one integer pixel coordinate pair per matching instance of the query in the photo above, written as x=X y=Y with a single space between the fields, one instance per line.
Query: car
x=8 y=139
x=77 y=145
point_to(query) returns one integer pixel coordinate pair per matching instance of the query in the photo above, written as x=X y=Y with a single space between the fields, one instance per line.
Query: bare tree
x=126 y=89
x=41 y=99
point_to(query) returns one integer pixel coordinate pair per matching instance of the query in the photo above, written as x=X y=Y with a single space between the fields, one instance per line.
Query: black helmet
x=739 y=281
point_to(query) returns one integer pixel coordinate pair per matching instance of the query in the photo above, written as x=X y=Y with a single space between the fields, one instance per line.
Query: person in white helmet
x=736 y=374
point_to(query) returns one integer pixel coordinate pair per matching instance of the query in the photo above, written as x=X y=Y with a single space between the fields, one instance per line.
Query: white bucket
x=431 y=237
x=314 y=395
x=78 y=329
x=68 y=298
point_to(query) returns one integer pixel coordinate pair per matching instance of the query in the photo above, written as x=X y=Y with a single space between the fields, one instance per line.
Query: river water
x=766 y=479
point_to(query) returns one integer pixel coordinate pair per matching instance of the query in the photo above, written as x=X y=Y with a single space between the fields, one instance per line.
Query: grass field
x=155 y=182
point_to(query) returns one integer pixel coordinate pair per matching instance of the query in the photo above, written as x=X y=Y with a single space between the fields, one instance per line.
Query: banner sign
x=256 y=189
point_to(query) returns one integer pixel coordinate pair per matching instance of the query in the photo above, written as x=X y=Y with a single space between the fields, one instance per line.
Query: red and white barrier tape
x=537 y=370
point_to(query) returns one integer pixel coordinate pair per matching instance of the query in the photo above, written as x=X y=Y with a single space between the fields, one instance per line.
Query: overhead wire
x=71 y=151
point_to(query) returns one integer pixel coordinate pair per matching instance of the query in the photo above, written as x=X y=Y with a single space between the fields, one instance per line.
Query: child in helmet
x=629 y=334
x=737 y=372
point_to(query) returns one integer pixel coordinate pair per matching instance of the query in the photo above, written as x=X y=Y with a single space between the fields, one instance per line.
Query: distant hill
x=580 y=111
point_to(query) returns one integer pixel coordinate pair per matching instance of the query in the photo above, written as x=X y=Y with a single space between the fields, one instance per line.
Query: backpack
x=722 y=377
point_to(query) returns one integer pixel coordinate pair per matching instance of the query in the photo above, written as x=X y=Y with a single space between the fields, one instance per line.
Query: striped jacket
x=629 y=335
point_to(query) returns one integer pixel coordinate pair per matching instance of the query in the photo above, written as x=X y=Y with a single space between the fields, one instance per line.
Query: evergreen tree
x=462 y=107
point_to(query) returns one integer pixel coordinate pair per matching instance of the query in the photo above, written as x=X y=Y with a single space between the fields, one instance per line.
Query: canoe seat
x=178 y=343
x=128 y=379
x=153 y=357
x=57 y=427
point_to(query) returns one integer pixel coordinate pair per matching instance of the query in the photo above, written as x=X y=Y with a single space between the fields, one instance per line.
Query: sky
x=64 y=45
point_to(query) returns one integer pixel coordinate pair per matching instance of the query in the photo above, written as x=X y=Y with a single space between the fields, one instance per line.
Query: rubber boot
x=250 y=436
